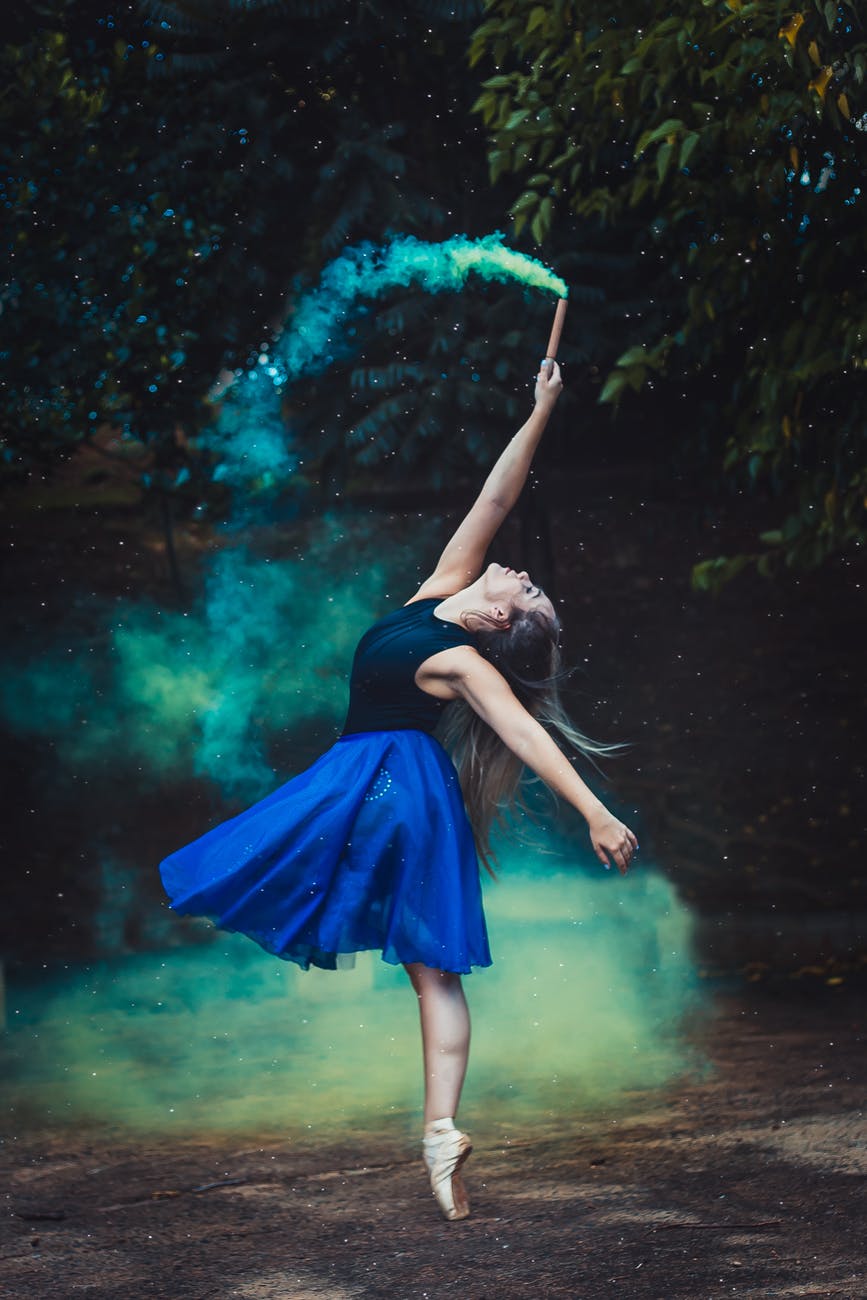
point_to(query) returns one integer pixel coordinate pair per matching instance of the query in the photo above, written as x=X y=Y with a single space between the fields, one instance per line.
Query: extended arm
x=463 y=673
x=462 y=560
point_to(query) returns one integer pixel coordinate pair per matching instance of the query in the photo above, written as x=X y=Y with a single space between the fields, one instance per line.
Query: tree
x=102 y=247
x=736 y=134
x=175 y=172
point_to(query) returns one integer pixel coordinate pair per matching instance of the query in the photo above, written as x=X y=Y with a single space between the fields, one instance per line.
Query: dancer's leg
x=445 y=1031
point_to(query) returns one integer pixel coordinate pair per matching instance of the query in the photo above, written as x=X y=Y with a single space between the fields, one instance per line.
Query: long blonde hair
x=526 y=652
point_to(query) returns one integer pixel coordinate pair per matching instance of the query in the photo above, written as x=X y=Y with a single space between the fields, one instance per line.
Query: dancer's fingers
x=600 y=853
x=622 y=859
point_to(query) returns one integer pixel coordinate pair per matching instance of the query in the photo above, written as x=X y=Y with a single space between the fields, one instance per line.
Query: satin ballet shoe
x=445 y=1150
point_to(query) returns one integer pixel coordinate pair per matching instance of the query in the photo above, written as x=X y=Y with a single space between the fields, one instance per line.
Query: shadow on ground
x=744 y=1180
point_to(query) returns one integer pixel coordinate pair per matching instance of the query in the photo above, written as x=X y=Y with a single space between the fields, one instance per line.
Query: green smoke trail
x=585 y=1001
x=249 y=438
x=263 y=654
x=367 y=272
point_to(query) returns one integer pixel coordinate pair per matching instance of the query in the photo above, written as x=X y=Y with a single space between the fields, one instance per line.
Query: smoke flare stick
x=556 y=330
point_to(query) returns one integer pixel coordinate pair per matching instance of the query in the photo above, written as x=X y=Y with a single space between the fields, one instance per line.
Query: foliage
x=736 y=135
x=84 y=338
x=192 y=164
x=194 y=167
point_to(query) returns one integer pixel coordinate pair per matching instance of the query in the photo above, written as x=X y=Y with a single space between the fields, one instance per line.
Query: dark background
x=276 y=136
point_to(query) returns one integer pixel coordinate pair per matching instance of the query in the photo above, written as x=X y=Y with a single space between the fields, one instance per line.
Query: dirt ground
x=745 y=1180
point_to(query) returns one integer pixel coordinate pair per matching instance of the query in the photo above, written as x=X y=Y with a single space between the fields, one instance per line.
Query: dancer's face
x=506 y=589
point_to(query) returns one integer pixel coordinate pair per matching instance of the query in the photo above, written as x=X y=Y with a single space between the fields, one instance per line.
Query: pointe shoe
x=445 y=1150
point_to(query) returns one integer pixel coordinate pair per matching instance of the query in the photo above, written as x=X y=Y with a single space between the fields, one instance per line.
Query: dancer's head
x=516 y=628
x=505 y=591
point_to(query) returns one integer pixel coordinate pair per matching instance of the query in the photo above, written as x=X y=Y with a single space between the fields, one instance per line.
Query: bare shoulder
x=461 y=663
x=453 y=662
x=462 y=673
x=447 y=673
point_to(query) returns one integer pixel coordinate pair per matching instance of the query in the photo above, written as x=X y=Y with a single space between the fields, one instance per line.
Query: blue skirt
x=370 y=848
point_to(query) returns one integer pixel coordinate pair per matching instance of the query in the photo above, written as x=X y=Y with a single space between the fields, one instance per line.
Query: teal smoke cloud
x=585 y=1004
x=263 y=652
x=249 y=438
x=366 y=272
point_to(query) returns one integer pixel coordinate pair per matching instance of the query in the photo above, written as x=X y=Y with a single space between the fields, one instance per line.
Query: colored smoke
x=249 y=437
x=368 y=272
x=262 y=654
x=584 y=1004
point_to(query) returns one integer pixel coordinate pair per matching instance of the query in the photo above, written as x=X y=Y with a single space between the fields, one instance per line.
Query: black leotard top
x=383 y=695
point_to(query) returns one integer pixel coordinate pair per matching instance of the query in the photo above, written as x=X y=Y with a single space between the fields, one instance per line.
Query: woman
x=372 y=847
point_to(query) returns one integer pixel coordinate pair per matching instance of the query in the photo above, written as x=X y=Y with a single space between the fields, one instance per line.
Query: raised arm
x=463 y=558
x=463 y=673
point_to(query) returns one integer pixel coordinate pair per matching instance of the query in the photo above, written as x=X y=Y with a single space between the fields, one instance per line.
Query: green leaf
x=712 y=575
x=516 y=119
x=671 y=126
x=527 y=201
x=612 y=389
x=634 y=356
x=664 y=158
x=541 y=222
x=538 y=17
x=687 y=148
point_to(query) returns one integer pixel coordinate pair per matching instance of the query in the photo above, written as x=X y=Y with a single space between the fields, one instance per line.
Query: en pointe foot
x=445 y=1150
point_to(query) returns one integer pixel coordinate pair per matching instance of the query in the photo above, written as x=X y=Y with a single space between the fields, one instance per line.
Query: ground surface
x=748 y=1181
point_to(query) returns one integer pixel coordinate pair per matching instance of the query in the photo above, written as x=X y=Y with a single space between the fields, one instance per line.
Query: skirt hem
x=330 y=960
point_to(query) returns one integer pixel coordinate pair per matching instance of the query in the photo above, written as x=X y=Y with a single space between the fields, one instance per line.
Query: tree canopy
x=731 y=138
x=178 y=174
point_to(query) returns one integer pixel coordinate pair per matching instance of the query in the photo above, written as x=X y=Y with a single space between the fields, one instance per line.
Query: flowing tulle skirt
x=370 y=848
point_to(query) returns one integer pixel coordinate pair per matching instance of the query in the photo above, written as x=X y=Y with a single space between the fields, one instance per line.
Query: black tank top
x=383 y=695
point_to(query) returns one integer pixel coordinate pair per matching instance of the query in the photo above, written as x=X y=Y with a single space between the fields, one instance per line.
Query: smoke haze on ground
x=586 y=1000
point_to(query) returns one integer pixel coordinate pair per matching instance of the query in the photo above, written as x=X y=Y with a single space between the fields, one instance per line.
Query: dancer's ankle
x=439 y=1125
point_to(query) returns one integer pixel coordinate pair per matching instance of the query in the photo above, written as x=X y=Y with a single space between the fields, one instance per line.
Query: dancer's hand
x=549 y=384
x=610 y=838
